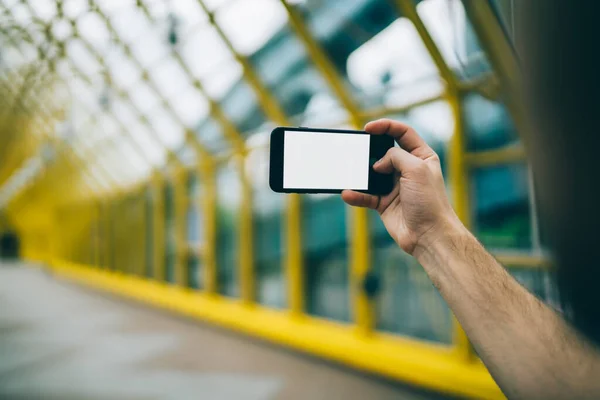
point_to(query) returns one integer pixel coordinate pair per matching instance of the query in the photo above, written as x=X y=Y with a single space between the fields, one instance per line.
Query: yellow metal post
x=247 y=289
x=180 y=203
x=143 y=232
x=457 y=175
x=158 y=224
x=108 y=236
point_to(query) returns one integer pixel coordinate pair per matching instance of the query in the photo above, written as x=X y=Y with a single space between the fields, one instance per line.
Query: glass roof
x=132 y=78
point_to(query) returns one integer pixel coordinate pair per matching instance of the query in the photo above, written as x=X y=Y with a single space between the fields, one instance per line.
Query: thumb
x=396 y=159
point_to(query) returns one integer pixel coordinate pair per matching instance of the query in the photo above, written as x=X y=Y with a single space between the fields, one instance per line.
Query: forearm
x=530 y=351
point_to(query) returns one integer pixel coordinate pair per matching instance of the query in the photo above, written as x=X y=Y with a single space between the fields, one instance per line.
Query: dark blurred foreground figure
x=532 y=351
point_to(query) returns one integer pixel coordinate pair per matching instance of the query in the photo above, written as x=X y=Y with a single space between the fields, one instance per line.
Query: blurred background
x=134 y=159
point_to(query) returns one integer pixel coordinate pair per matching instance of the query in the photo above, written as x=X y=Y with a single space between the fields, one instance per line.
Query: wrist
x=441 y=238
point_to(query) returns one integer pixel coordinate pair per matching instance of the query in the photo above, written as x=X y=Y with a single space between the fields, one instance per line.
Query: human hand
x=417 y=211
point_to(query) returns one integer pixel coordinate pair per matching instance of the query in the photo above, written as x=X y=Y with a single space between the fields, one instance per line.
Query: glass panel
x=21 y=14
x=151 y=48
x=145 y=143
x=190 y=106
x=75 y=8
x=286 y=69
x=61 y=29
x=143 y=98
x=188 y=15
x=269 y=246
x=445 y=22
x=44 y=9
x=129 y=23
x=380 y=69
x=124 y=72
x=94 y=31
x=213 y=5
x=210 y=134
x=324 y=110
x=407 y=303
x=229 y=196
x=195 y=232
x=249 y=25
x=169 y=131
x=82 y=58
x=501 y=206
x=203 y=51
x=223 y=80
x=169 y=78
x=326 y=264
x=488 y=124
x=195 y=271
x=116 y=7
x=454 y=36
x=171 y=244
x=242 y=109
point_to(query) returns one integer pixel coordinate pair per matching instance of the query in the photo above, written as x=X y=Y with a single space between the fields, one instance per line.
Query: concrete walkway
x=60 y=341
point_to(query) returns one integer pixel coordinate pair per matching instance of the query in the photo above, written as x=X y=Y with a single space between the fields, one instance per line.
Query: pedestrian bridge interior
x=143 y=252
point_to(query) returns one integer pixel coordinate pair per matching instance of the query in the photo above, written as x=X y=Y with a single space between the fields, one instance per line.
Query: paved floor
x=60 y=341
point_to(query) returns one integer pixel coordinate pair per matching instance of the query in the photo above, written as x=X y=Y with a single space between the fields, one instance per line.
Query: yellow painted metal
x=108 y=236
x=143 y=231
x=512 y=154
x=247 y=289
x=294 y=261
x=158 y=231
x=179 y=181
x=457 y=175
x=458 y=179
x=97 y=229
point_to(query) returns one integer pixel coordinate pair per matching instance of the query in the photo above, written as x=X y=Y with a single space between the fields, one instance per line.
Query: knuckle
x=434 y=158
x=394 y=152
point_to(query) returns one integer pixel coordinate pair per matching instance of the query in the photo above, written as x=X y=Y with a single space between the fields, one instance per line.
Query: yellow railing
x=100 y=237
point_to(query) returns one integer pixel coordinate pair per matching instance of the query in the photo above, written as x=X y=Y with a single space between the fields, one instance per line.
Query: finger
x=405 y=136
x=396 y=159
x=358 y=199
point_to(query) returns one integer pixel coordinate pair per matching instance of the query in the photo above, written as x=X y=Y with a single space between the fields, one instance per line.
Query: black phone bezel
x=379 y=184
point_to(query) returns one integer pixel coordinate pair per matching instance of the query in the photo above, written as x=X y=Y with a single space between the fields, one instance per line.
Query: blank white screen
x=322 y=160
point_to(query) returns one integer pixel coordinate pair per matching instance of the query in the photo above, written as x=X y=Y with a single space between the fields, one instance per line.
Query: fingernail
x=378 y=162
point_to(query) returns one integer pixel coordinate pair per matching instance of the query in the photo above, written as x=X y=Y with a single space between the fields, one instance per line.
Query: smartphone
x=306 y=160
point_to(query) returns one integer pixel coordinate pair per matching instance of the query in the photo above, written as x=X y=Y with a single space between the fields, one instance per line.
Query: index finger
x=405 y=136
